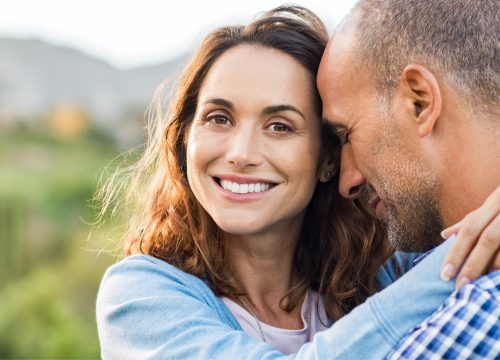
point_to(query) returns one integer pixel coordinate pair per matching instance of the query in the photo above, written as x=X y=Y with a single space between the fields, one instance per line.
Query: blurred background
x=76 y=79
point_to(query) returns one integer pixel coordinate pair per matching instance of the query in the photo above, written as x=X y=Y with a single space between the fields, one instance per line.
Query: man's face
x=382 y=157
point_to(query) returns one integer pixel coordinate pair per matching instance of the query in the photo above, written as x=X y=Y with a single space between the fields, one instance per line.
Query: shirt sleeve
x=372 y=329
x=144 y=312
x=466 y=326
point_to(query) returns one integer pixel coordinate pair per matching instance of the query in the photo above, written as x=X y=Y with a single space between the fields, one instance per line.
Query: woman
x=241 y=223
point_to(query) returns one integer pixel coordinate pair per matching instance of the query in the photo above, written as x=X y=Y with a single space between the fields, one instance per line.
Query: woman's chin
x=239 y=228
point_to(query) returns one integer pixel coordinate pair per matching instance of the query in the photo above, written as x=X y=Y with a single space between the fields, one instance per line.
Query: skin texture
x=256 y=120
x=403 y=151
x=381 y=150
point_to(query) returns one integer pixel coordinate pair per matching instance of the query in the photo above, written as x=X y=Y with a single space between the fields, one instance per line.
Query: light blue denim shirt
x=148 y=309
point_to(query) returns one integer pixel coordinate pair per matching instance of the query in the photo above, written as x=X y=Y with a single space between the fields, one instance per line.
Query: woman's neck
x=261 y=267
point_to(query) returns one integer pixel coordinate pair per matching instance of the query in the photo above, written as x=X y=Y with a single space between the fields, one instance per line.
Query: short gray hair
x=458 y=39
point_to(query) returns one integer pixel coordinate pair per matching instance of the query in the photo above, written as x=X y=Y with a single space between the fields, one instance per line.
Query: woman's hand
x=477 y=243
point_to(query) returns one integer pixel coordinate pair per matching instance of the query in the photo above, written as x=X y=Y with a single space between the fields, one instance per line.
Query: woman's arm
x=149 y=310
x=372 y=329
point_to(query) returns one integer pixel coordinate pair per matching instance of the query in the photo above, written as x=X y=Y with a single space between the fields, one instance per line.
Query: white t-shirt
x=287 y=341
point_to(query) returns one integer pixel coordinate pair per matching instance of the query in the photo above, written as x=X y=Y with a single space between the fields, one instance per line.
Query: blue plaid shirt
x=466 y=326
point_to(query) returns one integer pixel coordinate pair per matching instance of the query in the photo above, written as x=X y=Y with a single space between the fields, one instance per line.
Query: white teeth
x=244 y=188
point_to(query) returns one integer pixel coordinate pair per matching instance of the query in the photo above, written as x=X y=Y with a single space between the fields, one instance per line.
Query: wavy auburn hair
x=340 y=247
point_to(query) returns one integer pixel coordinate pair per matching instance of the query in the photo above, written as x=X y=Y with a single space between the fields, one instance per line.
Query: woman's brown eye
x=218 y=119
x=279 y=128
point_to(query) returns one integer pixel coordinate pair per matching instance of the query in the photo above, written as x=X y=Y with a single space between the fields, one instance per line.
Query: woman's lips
x=244 y=189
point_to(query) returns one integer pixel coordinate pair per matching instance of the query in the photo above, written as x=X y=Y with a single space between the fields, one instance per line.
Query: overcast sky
x=130 y=33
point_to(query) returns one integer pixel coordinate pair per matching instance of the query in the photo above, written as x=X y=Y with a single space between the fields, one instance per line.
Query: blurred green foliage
x=49 y=267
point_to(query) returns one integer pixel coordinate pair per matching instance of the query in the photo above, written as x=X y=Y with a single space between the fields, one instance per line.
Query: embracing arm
x=147 y=309
x=372 y=329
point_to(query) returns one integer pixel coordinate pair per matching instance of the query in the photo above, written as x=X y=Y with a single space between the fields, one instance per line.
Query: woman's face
x=254 y=145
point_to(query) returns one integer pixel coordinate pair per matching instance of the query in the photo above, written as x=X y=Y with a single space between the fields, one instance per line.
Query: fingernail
x=444 y=234
x=447 y=272
x=462 y=282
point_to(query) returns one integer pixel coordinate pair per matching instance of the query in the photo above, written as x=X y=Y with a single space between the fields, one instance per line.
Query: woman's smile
x=254 y=144
x=238 y=188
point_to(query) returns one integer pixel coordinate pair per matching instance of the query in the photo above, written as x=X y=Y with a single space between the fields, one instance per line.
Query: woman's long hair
x=340 y=247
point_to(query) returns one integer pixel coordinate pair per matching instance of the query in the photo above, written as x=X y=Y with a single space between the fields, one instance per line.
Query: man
x=412 y=88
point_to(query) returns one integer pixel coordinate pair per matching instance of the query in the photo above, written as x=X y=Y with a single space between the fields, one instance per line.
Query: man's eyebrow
x=219 y=101
x=278 y=108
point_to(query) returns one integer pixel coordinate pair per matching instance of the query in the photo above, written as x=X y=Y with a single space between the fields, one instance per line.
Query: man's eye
x=345 y=139
x=278 y=127
x=218 y=120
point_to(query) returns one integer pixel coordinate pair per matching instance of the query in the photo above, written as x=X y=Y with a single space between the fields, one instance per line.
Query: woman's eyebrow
x=219 y=101
x=267 y=110
x=278 y=108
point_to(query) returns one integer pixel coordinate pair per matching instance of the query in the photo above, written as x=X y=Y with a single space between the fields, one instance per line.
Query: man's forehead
x=336 y=85
x=337 y=61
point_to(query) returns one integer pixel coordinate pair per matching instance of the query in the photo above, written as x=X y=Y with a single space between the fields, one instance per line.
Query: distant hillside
x=34 y=76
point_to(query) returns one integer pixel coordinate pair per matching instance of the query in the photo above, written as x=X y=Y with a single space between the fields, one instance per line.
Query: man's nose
x=243 y=149
x=351 y=181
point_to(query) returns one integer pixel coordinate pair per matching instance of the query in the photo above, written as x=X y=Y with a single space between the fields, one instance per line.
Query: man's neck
x=472 y=169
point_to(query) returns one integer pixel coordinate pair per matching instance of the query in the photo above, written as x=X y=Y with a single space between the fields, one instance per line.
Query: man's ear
x=421 y=88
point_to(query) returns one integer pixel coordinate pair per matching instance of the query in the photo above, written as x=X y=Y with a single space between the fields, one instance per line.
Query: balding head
x=457 y=40
x=406 y=83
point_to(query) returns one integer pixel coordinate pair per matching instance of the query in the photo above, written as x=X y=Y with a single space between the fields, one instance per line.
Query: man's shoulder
x=487 y=286
x=479 y=296
x=489 y=282
x=467 y=325
x=472 y=298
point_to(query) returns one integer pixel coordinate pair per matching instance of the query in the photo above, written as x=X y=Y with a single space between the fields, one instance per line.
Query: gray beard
x=412 y=218
x=415 y=224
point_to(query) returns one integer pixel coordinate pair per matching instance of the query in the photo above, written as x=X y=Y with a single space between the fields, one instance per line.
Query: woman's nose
x=243 y=149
